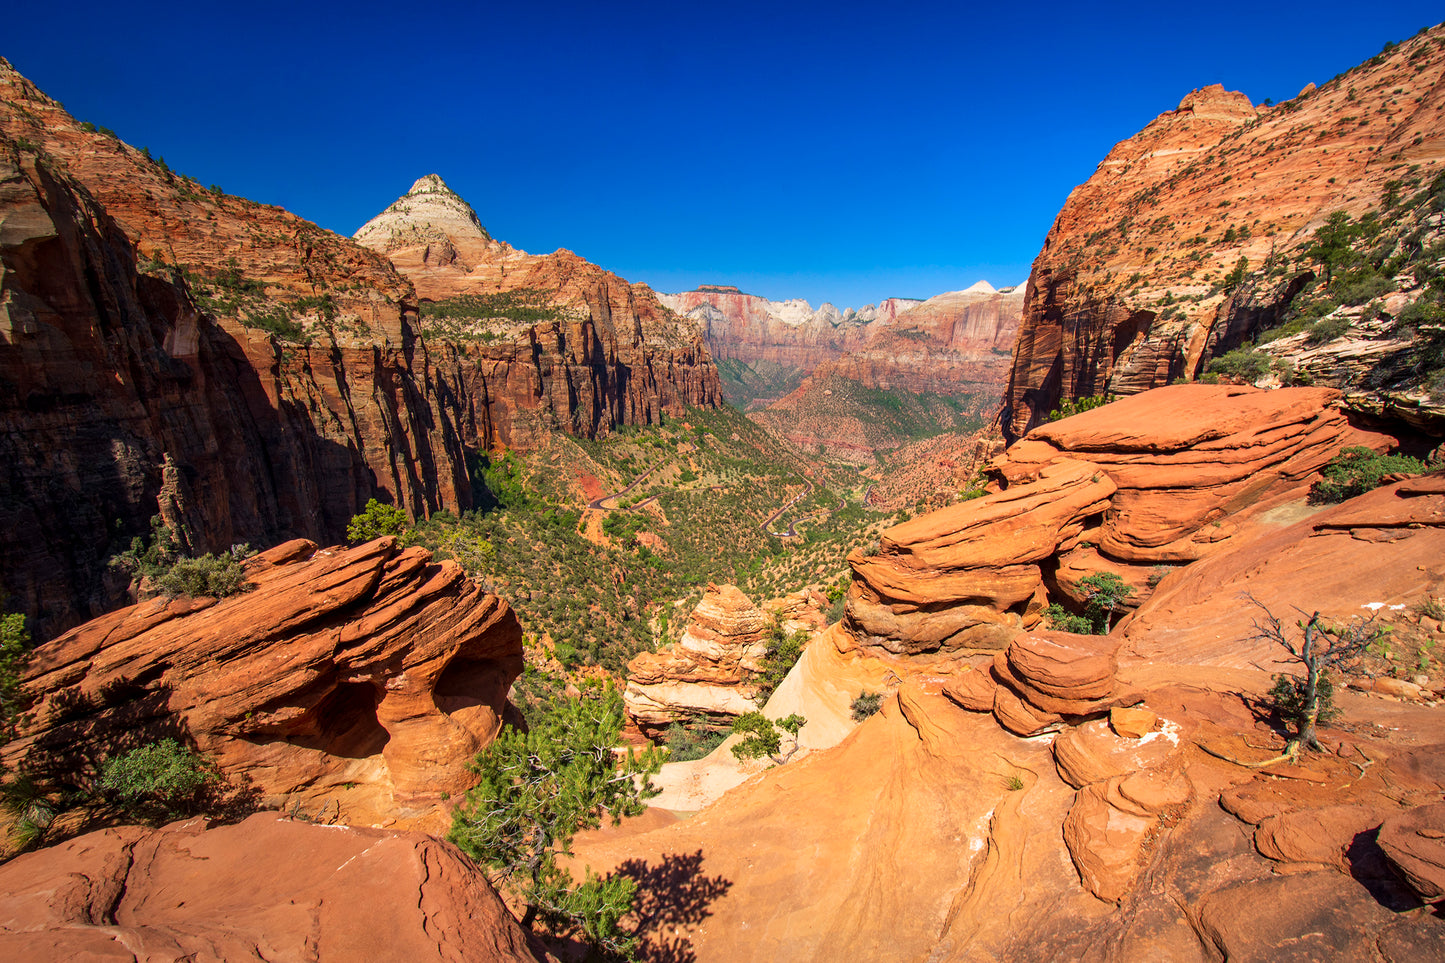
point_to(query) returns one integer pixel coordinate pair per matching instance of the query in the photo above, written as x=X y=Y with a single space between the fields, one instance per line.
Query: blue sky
x=840 y=152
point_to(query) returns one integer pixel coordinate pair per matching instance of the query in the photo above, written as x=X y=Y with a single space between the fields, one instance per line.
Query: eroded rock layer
x=365 y=678
x=705 y=679
x=533 y=343
x=1192 y=235
x=1151 y=479
x=266 y=889
x=135 y=378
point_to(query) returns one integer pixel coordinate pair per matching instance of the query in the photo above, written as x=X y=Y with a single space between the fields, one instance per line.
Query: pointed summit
x=429 y=212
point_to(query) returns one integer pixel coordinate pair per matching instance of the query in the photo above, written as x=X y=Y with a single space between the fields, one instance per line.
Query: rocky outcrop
x=705 y=678
x=268 y=888
x=1414 y=842
x=1136 y=285
x=534 y=343
x=1147 y=480
x=135 y=382
x=954 y=344
x=363 y=678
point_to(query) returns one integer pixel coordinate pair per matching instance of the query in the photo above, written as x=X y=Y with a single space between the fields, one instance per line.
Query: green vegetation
x=1061 y=619
x=158 y=561
x=685 y=744
x=744 y=383
x=1013 y=783
x=14 y=656
x=485 y=317
x=764 y=737
x=1069 y=407
x=159 y=781
x=374 y=521
x=1105 y=593
x=784 y=650
x=536 y=790
x=1357 y=470
x=1242 y=364
x=867 y=704
x=1322 y=650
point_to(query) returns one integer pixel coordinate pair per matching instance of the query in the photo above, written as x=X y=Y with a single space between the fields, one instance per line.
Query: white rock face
x=428 y=213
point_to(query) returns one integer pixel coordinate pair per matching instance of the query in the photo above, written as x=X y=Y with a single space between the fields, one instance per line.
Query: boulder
x=369 y=676
x=1314 y=835
x=267 y=888
x=1414 y=843
x=1092 y=752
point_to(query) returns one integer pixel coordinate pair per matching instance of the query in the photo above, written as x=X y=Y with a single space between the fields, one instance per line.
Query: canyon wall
x=1195 y=235
x=534 y=343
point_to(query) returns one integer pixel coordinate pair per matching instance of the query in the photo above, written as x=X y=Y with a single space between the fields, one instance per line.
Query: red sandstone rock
x=372 y=668
x=973 y=690
x=1091 y=752
x=268 y=888
x=1314 y=835
x=1064 y=665
x=1118 y=299
x=1132 y=723
x=704 y=678
x=1105 y=843
x=1414 y=842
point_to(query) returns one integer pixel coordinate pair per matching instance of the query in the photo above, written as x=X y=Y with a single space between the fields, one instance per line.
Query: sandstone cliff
x=954 y=343
x=167 y=349
x=534 y=343
x=357 y=681
x=1203 y=230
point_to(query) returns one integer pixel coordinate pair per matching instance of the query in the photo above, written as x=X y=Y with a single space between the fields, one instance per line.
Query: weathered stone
x=1414 y=842
x=371 y=667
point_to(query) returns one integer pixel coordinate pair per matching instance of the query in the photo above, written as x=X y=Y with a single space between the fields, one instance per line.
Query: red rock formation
x=365 y=678
x=704 y=679
x=1127 y=292
x=268 y=888
x=613 y=356
x=127 y=390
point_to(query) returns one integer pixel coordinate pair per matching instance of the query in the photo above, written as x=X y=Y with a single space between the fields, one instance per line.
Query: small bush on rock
x=374 y=521
x=1357 y=470
x=159 y=780
x=866 y=705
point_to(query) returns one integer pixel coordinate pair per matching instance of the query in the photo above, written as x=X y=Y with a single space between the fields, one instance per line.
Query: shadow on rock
x=672 y=895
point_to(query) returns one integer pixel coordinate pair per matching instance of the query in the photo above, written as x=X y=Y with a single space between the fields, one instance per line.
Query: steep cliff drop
x=171 y=350
x=535 y=343
x=1213 y=225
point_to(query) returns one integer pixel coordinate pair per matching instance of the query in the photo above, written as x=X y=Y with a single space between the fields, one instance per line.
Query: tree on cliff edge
x=537 y=790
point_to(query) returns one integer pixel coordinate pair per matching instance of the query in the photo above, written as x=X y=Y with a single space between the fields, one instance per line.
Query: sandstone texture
x=705 y=678
x=1132 y=488
x=128 y=391
x=266 y=889
x=360 y=680
x=1129 y=291
x=1414 y=842
x=534 y=343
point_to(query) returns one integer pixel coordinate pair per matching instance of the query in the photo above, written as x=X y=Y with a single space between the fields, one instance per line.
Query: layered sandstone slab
x=1414 y=842
x=1186 y=458
x=704 y=679
x=267 y=888
x=366 y=677
x=950 y=579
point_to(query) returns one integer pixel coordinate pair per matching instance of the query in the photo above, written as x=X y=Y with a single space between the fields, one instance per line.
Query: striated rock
x=1185 y=458
x=1314 y=835
x=704 y=678
x=1075 y=667
x=1414 y=843
x=366 y=677
x=127 y=390
x=973 y=690
x=268 y=888
x=610 y=355
x=1105 y=843
x=1091 y=753
x=1317 y=916
x=958 y=578
x=1127 y=293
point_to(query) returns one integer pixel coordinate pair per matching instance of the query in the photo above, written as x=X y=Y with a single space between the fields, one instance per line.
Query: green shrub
x=866 y=705
x=1069 y=407
x=686 y=744
x=159 y=780
x=784 y=650
x=214 y=576
x=1327 y=329
x=374 y=521
x=763 y=736
x=1062 y=620
x=14 y=654
x=1242 y=364
x=1357 y=470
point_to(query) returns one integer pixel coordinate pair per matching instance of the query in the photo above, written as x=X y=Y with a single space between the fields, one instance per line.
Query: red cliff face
x=542 y=342
x=132 y=382
x=1133 y=288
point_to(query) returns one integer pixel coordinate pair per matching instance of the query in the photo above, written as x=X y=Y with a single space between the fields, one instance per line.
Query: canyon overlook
x=1027 y=669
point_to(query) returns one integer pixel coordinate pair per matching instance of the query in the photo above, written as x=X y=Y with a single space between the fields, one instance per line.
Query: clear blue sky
x=841 y=152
